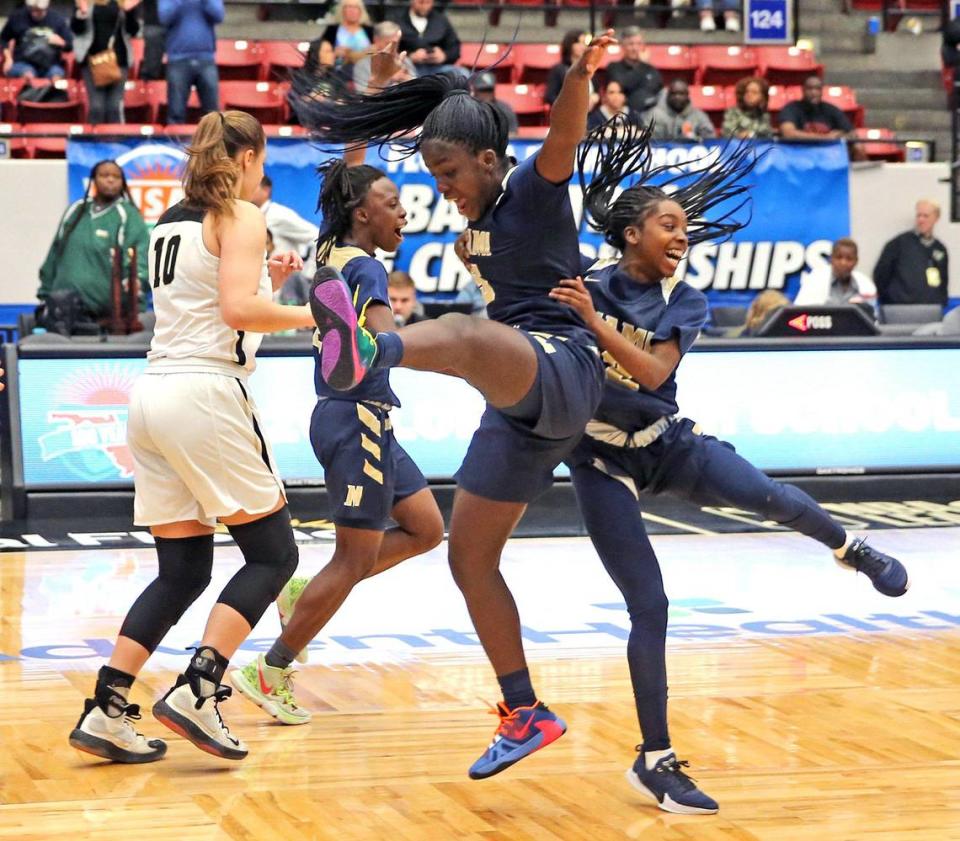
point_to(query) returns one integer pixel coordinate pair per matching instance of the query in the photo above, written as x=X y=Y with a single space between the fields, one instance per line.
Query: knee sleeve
x=184 y=566
x=270 y=557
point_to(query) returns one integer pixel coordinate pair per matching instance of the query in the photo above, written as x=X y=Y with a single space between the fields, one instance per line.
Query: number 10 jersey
x=190 y=334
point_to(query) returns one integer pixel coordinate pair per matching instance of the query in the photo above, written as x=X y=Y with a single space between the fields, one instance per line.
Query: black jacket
x=439 y=33
x=901 y=274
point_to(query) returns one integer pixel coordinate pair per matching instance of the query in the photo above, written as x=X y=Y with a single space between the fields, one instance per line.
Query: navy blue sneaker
x=521 y=732
x=887 y=574
x=673 y=790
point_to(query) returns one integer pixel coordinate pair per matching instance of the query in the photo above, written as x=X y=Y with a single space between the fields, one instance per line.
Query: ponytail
x=439 y=105
x=212 y=172
x=342 y=191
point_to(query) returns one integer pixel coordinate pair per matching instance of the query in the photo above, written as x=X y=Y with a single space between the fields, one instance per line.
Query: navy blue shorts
x=675 y=463
x=513 y=453
x=366 y=470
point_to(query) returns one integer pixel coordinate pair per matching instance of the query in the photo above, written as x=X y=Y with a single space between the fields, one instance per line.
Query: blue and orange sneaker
x=521 y=732
x=347 y=348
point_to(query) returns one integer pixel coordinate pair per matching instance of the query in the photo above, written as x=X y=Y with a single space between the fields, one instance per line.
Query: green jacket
x=84 y=262
x=736 y=120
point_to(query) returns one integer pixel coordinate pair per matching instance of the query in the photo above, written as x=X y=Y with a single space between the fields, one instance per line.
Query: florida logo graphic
x=88 y=432
x=153 y=174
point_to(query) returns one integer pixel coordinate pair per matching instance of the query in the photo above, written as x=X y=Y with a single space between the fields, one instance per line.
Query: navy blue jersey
x=645 y=314
x=367 y=279
x=523 y=245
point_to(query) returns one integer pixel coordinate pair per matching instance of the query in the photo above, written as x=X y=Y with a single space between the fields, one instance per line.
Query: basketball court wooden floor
x=809 y=706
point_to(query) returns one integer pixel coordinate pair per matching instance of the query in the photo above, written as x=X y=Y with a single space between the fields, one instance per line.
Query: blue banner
x=800 y=205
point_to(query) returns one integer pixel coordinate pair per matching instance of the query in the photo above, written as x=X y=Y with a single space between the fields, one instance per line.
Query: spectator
x=154 y=38
x=351 y=36
x=571 y=48
x=641 y=82
x=191 y=54
x=613 y=101
x=760 y=308
x=484 y=90
x=384 y=34
x=290 y=231
x=471 y=293
x=676 y=119
x=428 y=38
x=80 y=258
x=913 y=267
x=837 y=283
x=403 y=299
x=710 y=8
x=34 y=39
x=811 y=118
x=107 y=26
x=749 y=117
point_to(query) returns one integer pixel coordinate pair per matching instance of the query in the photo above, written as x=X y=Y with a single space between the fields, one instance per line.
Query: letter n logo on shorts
x=354 y=496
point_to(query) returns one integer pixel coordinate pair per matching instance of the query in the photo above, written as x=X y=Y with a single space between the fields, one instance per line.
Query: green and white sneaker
x=287 y=601
x=271 y=689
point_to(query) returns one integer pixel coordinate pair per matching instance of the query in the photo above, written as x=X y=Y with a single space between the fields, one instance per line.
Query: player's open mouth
x=675 y=255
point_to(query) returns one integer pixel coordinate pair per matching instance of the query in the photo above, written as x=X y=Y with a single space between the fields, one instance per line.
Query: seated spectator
x=613 y=101
x=320 y=54
x=352 y=35
x=34 y=39
x=571 y=48
x=749 y=117
x=760 y=308
x=811 y=118
x=837 y=283
x=641 y=82
x=428 y=38
x=385 y=33
x=290 y=231
x=709 y=10
x=913 y=267
x=80 y=258
x=108 y=25
x=676 y=119
x=484 y=89
x=403 y=299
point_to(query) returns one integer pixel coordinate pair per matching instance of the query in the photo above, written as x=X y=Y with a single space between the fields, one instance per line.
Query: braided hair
x=342 y=191
x=621 y=150
x=88 y=198
x=434 y=107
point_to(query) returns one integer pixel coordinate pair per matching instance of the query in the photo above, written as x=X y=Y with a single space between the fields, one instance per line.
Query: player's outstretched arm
x=242 y=239
x=568 y=118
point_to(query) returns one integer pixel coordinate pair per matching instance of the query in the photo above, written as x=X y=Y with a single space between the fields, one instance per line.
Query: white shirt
x=815 y=288
x=291 y=232
x=191 y=334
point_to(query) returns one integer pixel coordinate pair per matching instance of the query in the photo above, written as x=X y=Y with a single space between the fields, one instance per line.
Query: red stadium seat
x=128 y=129
x=532 y=132
x=484 y=55
x=55 y=146
x=16 y=146
x=777 y=98
x=181 y=131
x=137 y=48
x=533 y=62
x=880 y=148
x=239 y=60
x=713 y=100
x=9 y=88
x=526 y=101
x=787 y=65
x=264 y=100
x=674 y=61
x=71 y=111
x=284 y=131
x=846 y=100
x=280 y=58
x=138 y=103
x=725 y=65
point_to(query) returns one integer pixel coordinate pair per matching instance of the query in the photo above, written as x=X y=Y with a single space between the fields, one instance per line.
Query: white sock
x=652 y=757
x=839 y=553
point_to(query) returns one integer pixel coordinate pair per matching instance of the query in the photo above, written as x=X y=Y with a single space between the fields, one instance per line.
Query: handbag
x=104 y=67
